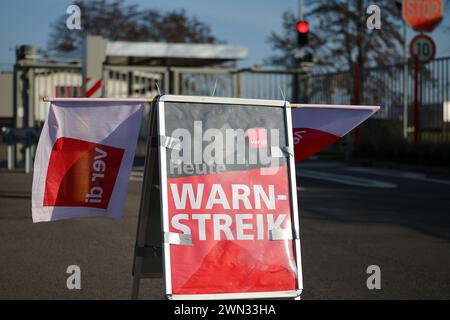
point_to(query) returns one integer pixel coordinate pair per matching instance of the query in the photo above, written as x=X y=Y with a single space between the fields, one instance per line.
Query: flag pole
x=335 y=106
x=63 y=99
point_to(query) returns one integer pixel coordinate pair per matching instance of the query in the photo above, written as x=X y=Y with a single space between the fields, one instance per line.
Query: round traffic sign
x=422 y=48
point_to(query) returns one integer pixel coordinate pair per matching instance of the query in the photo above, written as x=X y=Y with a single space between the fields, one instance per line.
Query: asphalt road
x=351 y=218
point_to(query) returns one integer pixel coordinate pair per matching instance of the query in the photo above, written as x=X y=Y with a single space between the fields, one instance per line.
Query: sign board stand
x=148 y=251
x=245 y=240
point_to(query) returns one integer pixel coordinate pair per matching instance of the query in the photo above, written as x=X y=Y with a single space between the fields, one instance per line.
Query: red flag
x=318 y=126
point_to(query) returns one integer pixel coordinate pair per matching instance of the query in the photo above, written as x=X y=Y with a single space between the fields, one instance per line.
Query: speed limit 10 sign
x=422 y=48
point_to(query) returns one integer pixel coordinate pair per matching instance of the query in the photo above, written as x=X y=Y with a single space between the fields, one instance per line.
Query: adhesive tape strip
x=178 y=238
x=281 y=152
x=280 y=234
x=170 y=142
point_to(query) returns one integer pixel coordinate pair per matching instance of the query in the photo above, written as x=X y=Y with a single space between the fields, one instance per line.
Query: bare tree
x=446 y=13
x=340 y=36
x=115 y=20
x=342 y=41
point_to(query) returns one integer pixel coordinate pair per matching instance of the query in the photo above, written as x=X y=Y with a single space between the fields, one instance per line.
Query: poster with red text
x=228 y=211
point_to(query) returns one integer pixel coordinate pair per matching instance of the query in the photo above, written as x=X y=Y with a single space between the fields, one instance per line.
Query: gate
x=243 y=83
x=389 y=86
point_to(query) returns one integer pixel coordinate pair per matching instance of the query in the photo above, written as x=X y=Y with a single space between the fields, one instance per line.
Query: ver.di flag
x=84 y=158
x=318 y=126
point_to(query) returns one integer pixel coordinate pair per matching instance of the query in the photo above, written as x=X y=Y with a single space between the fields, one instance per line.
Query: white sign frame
x=164 y=196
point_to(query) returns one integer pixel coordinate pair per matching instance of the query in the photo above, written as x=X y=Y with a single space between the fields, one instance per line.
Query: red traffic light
x=302 y=27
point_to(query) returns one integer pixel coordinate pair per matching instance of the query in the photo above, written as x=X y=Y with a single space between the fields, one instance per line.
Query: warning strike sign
x=229 y=214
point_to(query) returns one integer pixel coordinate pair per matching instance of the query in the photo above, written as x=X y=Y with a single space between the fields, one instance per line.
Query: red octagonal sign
x=423 y=15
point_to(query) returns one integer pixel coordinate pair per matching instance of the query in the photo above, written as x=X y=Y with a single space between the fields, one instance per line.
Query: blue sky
x=242 y=22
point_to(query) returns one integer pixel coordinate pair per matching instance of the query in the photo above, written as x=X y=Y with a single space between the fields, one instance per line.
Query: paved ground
x=351 y=217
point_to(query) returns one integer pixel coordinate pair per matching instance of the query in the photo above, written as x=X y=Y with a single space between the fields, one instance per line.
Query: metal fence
x=391 y=87
x=243 y=83
x=34 y=82
x=136 y=82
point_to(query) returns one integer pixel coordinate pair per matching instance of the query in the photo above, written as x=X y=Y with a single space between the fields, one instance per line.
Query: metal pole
x=405 y=85
x=125 y=100
x=237 y=84
x=416 y=100
x=28 y=160
x=301 y=12
x=11 y=156
x=295 y=88
x=356 y=98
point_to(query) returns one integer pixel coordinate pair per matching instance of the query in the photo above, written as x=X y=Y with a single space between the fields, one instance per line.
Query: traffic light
x=302 y=33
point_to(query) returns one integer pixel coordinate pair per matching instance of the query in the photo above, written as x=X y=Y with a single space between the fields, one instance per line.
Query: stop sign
x=423 y=15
